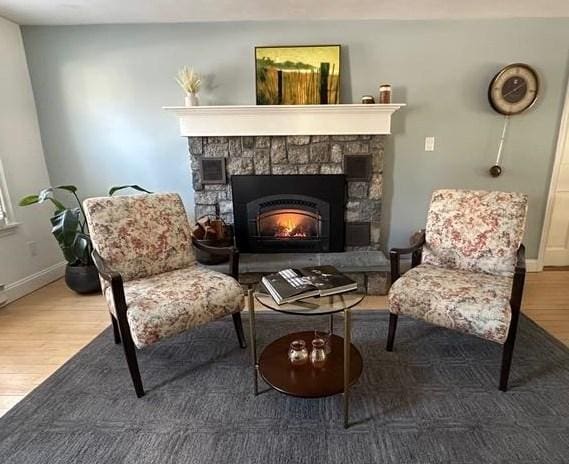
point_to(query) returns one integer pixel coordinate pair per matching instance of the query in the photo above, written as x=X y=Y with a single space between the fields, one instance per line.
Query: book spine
x=271 y=290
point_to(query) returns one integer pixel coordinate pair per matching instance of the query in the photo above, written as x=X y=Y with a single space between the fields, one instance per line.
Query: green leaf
x=69 y=188
x=35 y=199
x=29 y=200
x=45 y=194
x=82 y=248
x=115 y=189
x=65 y=227
x=58 y=205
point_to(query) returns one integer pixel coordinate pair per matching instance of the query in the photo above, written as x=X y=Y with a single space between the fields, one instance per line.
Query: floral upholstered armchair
x=153 y=286
x=467 y=268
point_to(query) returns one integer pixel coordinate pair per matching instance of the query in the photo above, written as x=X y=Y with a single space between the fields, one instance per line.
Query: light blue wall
x=99 y=92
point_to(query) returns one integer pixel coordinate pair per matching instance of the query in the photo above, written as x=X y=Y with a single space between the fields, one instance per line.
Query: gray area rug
x=433 y=400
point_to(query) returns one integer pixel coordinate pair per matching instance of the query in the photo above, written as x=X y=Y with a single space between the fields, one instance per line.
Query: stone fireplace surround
x=300 y=154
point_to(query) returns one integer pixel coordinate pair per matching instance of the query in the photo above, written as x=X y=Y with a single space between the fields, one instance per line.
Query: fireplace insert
x=296 y=213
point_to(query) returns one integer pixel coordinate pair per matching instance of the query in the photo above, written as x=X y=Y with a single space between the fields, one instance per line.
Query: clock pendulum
x=496 y=170
x=512 y=91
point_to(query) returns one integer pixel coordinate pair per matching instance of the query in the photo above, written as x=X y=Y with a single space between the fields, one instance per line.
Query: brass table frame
x=347 y=343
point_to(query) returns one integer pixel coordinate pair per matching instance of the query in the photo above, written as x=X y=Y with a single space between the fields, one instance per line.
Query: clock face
x=514 y=89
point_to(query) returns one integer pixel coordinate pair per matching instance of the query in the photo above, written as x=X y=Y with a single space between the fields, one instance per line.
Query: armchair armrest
x=521 y=260
x=415 y=250
x=230 y=251
x=115 y=280
x=519 y=280
x=104 y=269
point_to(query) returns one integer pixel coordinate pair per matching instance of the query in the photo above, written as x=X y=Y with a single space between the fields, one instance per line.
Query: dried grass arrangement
x=189 y=80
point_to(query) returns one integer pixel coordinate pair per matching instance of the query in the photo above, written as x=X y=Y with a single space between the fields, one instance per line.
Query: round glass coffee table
x=343 y=365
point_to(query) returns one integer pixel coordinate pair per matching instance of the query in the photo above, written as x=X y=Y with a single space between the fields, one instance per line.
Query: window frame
x=7 y=225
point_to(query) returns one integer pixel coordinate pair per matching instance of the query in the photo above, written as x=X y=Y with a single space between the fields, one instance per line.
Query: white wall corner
x=33 y=282
x=533 y=265
x=23 y=171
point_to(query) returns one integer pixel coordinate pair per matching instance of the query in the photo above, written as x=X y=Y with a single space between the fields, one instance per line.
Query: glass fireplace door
x=289 y=224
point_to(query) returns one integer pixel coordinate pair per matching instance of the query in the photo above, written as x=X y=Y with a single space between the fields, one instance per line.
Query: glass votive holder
x=326 y=336
x=318 y=353
x=297 y=353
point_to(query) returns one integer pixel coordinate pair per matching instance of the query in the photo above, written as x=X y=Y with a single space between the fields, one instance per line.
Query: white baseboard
x=31 y=283
x=532 y=265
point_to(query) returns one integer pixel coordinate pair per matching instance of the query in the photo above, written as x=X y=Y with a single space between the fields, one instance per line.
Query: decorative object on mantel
x=368 y=100
x=213 y=170
x=513 y=90
x=297 y=75
x=213 y=232
x=70 y=229
x=263 y=120
x=190 y=82
x=385 y=93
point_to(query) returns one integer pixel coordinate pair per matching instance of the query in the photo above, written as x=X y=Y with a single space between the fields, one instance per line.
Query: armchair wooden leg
x=508 y=353
x=116 y=331
x=392 y=329
x=130 y=354
x=239 y=329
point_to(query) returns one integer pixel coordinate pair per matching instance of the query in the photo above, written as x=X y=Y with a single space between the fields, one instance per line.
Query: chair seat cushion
x=167 y=304
x=470 y=302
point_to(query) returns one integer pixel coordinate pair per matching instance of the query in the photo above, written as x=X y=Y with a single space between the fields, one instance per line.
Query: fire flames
x=287 y=228
x=288 y=225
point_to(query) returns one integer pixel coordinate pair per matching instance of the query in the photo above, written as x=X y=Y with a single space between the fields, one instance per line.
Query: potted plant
x=69 y=227
x=190 y=82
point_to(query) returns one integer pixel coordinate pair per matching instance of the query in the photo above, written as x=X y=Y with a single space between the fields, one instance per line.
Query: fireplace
x=318 y=197
x=289 y=213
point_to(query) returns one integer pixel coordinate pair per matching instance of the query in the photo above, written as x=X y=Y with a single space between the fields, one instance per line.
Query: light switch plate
x=429 y=144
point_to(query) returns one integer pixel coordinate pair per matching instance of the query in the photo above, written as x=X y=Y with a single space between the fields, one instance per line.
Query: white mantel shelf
x=246 y=120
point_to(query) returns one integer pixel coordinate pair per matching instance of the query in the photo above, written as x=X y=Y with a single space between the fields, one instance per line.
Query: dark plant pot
x=82 y=279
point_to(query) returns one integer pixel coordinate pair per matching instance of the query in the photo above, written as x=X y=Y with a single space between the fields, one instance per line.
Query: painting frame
x=333 y=93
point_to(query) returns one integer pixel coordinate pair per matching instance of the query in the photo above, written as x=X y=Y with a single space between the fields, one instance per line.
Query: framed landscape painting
x=297 y=75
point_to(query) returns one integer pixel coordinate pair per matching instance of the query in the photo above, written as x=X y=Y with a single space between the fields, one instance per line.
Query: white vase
x=192 y=99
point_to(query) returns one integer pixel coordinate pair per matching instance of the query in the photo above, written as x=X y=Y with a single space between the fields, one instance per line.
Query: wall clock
x=512 y=91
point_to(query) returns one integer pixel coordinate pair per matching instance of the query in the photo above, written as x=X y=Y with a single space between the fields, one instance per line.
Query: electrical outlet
x=429 y=144
x=33 y=246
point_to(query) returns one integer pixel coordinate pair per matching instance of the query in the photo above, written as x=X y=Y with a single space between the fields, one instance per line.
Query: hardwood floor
x=41 y=331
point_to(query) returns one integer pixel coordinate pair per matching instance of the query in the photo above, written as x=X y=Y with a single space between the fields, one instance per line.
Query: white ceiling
x=60 y=12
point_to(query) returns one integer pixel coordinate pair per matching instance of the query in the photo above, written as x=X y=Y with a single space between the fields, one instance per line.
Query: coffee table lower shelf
x=307 y=381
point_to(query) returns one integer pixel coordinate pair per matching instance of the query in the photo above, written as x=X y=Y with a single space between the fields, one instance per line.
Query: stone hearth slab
x=347 y=261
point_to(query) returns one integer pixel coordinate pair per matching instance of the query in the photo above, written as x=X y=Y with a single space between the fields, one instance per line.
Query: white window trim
x=7 y=226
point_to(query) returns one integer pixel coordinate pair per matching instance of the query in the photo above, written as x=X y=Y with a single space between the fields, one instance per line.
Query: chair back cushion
x=140 y=235
x=475 y=230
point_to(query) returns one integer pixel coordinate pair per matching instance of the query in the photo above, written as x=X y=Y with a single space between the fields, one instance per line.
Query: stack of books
x=291 y=285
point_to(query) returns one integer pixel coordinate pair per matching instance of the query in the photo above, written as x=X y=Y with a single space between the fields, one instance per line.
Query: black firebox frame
x=326 y=192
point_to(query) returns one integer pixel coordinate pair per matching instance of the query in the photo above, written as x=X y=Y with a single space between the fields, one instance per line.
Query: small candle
x=385 y=93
